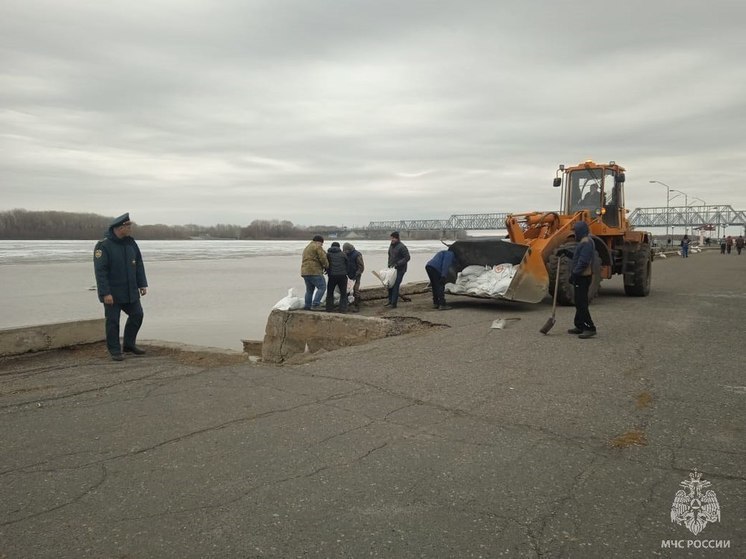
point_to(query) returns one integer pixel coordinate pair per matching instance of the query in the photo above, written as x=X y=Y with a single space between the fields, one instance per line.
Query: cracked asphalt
x=454 y=442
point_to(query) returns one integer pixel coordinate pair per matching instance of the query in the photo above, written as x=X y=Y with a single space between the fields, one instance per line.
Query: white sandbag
x=336 y=297
x=471 y=271
x=387 y=276
x=483 y=281
x=290 y=302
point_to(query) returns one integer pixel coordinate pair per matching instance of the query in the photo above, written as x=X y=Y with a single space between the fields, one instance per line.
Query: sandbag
x=387 y=277
x=290 y=302
x=483 y=281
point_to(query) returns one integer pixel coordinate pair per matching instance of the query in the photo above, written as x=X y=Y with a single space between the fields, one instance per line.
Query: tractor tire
x=566 y=293
x=641 y=266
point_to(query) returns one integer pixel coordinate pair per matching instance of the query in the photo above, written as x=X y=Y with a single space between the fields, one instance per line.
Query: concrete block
x=288 y=333
x=14 y=341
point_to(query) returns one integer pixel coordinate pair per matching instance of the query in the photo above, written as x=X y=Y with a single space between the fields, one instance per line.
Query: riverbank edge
x=45 y=337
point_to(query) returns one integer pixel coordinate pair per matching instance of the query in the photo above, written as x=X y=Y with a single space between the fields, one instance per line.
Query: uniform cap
x=121 y=220
x=395 y=234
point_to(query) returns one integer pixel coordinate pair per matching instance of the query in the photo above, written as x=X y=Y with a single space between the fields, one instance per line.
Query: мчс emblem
x=98 y=253
x=693 y=508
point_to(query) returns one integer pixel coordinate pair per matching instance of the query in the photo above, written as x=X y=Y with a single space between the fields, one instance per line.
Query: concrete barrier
x=291 y=332
x=14 y=341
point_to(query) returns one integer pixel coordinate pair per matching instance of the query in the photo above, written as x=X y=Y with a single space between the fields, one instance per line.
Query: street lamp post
x=668 y=196
x=702 y=222
x=703 y=206
x=674 y=198
x=686 y=210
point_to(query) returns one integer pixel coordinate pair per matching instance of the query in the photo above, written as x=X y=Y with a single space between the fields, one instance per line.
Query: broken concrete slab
x=289 y=333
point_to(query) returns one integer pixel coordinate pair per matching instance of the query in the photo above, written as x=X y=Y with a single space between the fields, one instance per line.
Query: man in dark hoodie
x=355 y=269
x=120 y=279
x=337 y=277
x=398 y=258
x=581 y=278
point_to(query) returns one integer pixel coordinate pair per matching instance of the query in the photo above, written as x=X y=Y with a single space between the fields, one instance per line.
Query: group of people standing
x=339 y=264
x=343 y=264
x=726 y=244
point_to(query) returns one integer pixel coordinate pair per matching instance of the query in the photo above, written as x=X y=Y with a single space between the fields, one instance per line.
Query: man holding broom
x=581 y=278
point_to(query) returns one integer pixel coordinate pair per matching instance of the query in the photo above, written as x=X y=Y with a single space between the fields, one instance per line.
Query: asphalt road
x=464 y=441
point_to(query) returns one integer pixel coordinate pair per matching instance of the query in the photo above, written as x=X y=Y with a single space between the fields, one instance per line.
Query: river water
x=209 y=293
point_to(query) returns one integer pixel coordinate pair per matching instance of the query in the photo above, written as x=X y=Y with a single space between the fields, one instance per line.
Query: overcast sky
x=347 y=111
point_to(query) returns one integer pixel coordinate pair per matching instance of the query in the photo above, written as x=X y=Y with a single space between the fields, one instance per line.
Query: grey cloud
x=324 y=111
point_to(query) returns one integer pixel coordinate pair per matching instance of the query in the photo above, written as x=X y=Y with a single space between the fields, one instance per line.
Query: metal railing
x=674 y=216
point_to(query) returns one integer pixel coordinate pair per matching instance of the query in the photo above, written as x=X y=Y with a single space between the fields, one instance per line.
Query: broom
x=550 y=323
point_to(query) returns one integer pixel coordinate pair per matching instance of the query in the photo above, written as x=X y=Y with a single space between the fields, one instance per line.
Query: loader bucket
x=531 y=281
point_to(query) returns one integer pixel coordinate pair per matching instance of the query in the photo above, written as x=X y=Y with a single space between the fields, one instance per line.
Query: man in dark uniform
x=120 y=278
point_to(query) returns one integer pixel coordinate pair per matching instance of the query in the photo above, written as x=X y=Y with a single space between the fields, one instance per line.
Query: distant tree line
x=19 y=224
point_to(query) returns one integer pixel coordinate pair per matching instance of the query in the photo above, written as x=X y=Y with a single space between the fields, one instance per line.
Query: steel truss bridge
x=674 y=216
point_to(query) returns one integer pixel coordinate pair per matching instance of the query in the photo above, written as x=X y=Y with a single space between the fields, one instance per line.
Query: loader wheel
x=566 y=294
x=641 y=266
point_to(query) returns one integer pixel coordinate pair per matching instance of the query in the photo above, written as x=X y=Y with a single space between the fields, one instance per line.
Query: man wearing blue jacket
x=437 y=270
x=581 y=278
x=120 y=279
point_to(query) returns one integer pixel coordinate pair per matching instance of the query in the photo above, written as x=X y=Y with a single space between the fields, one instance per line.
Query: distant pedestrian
x=722 y=245
x=437 y=270
x=120 y=281
x=685 y=246
x=739 y=244
x=728 y=244
x=337 y=277
x=398 y=258
x=581 y=277
x=312 y=267
x=355 y=269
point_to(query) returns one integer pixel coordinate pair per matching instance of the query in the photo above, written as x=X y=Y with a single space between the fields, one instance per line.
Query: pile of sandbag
x=483 y=281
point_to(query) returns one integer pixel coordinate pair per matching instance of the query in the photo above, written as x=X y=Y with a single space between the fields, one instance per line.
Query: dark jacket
x=582 y=258
x=119 y=268
x=398 y=256
x=442 y=261
x=337 y=261
x=355 y=264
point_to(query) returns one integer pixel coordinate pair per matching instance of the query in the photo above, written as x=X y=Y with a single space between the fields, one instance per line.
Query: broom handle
x=556 y=286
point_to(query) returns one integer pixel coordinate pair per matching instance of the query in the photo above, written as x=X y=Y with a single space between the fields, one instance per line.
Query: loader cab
x=598 y=189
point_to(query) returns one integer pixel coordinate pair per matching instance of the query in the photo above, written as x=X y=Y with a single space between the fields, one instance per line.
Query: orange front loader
x=591 y=192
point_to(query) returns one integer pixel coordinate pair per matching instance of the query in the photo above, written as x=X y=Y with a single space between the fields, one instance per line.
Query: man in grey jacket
x=398 y=258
